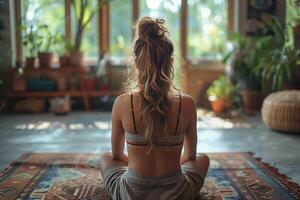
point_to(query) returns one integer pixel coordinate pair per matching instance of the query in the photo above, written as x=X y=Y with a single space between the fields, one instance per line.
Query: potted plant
x=48 y=40
x=244 y=59
x=221 y=94
x=89 y=82
x=64 y=59
x=31 y=42
x=19 y=83
x=280 y=68
x=84 y=13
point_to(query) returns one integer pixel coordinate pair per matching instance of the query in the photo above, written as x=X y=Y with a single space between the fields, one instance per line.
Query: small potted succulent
x=221 y=94
x=31 y=42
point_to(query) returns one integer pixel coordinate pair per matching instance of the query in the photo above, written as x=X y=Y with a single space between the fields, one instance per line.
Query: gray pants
x=123 y=183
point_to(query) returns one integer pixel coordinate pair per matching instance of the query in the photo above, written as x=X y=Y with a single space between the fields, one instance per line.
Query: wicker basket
x=281 y=111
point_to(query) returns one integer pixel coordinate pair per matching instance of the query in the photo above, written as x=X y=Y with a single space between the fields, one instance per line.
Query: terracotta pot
x=29 y=62
x=19 y=85
x=220 y=105
x=62 y=83
x=89 y=84
x=64 y=61
x=45 y=59
x=252 y=101
x=76 y=59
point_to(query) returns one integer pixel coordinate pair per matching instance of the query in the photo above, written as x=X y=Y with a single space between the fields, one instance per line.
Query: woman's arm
x=117 y=134
x=190 y=136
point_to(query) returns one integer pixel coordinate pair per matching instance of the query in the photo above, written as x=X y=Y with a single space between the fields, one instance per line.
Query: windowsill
x=205 y=63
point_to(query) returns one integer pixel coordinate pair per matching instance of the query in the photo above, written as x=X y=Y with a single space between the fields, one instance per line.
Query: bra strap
x=179 y=110
x=133 y=118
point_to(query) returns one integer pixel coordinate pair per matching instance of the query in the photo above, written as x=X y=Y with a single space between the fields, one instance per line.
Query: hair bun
x=151 y=29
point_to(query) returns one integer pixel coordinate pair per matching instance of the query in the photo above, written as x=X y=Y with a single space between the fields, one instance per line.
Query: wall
x=5 y=43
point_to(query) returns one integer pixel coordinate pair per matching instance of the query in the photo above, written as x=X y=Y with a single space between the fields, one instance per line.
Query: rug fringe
x=275 y=174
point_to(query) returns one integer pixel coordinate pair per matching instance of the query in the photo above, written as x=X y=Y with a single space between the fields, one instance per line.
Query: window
x=89 y=44
x=168 y=10
x=207 y=28
x=206 y=25
x=37 y=13
x=120 y=28
x=292 y=14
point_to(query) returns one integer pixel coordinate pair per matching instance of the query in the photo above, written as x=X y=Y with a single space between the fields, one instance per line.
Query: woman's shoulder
x=187 y=100
x=122 y=98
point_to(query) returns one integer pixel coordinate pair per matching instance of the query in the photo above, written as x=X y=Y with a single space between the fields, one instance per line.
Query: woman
x=156 y=123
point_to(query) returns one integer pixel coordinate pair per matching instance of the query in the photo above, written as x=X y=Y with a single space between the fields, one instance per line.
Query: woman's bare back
x=160 y=160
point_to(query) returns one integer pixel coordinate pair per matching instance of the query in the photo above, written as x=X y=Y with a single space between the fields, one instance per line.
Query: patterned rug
x=63 y=176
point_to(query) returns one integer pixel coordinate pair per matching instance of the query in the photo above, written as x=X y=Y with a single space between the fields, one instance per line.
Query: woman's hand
x=123 y=157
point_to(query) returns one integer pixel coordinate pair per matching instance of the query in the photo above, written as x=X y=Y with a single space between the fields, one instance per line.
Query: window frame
x=103 y=30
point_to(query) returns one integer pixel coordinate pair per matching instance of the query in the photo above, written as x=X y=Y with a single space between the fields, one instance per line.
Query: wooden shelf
x=45 y=94
x=102 y=93
x=62 y=93
x=59 y=70
x=85 y=95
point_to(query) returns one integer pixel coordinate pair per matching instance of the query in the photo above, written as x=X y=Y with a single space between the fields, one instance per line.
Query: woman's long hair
x=153 y=58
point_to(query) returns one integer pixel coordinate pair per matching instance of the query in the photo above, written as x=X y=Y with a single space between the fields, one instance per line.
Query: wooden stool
x=281 y=111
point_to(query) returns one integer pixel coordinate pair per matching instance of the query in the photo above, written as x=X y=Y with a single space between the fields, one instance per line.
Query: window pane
x=170 y=11
x=89 y=43
x=292 y=15
x=207 y=27
x=120 y=28
x=44 y=12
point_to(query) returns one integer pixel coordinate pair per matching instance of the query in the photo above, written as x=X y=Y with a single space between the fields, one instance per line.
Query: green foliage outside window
x=120 y=28
x=207 y=28
x=89 y=43
x=40 y=13
x=169 y=10
x=292 y=17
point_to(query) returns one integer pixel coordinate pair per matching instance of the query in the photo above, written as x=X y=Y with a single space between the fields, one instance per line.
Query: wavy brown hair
x=153 y=58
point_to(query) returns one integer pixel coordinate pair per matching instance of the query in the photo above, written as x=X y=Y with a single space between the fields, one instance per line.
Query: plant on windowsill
x=64 y=58
x=48 y=40
x=222 y=95
x=31 y=42
x=84 y=13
